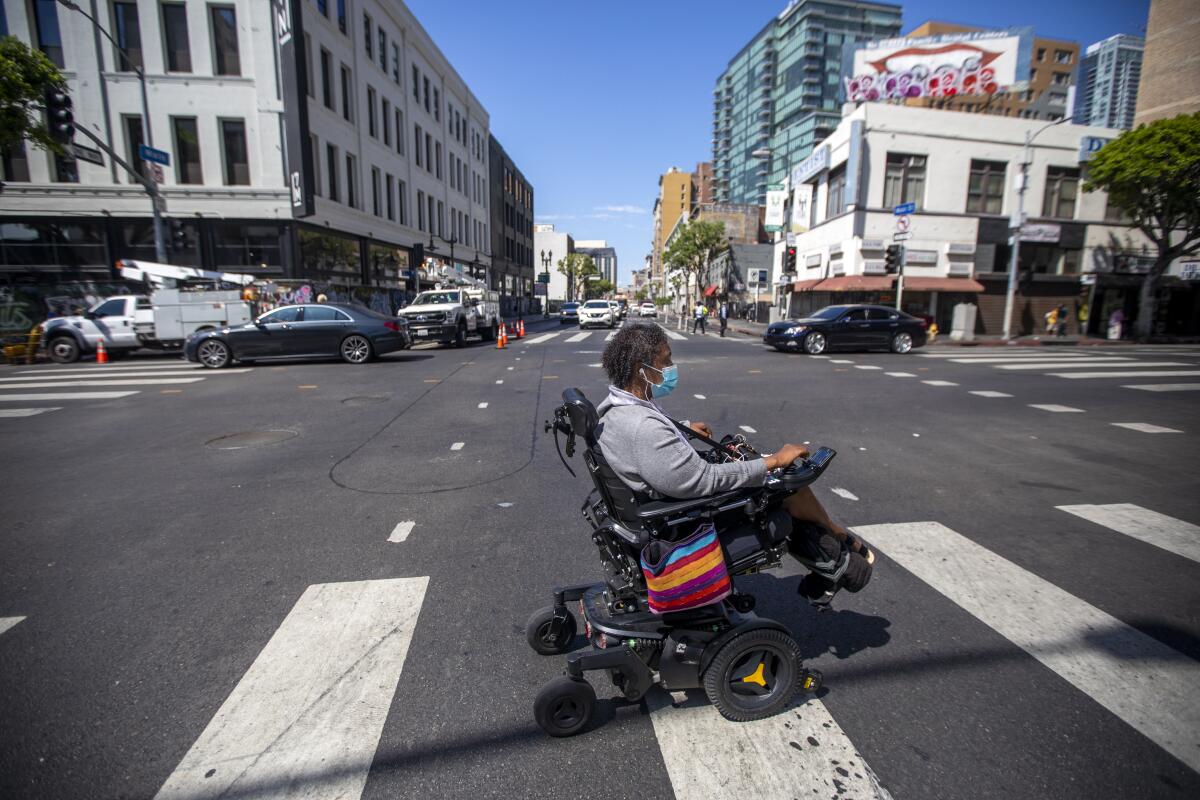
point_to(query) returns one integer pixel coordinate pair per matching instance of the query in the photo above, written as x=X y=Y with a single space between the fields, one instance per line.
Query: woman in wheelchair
x=653 y=457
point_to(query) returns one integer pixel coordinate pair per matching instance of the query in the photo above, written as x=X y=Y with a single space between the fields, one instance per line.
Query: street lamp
x=160 y=245
x=1017 y=223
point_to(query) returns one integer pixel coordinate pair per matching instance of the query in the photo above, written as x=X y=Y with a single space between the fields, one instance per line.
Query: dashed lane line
x=1056 y=409
x=1032 y=359
x=1165 y=387
x=26 y=412
x=699 y=397
x=457 y=446
x=866 y=366
x=178 y=365
x=901 y=374
x=1174 y=535
x=47 y=375
x=1145 y=427
x=6 y=623
x=846 y=493
x=988 y=393
x=940 y=383
x=839 y=361
x=482 y=405
x=747 y=429
x=401 y=531
x=1147 y=374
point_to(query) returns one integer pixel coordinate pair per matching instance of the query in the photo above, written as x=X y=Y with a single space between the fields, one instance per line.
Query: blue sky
x=594 y=100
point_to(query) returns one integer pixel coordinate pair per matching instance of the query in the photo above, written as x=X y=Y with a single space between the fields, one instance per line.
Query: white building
x=315 y=142
x=961 y=171
x=550 y=247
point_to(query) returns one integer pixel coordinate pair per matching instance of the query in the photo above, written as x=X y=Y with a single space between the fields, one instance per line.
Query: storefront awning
x=942 y=285
x=709 y=291
x=856 y=283
x=805 y=286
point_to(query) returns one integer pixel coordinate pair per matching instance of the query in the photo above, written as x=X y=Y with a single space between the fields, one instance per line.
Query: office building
x=1106 y=87
x=603 y=256
x=703 y=180
x=553 y=246
x=512 y=232
x=780 y=93
x=1170 y=81
x=676 y=194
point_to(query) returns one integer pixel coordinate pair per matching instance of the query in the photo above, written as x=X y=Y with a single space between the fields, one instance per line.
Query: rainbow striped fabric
x=686 y=574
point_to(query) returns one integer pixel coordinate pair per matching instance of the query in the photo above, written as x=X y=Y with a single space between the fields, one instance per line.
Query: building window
x=441 y=219
x=428 y=153
x=904 y=180
x=399 y=131
x=437 y=104
x=341 y=15
x=225 y=40
x=429 y=211
x=66 y=170
x=371 y=113
x=389 y=187
x=16 y=164
x=347 y=84
x=331 y=168
x=310 y=87
x=351 y=174
x=375 y=191
x=420 y=210
x=402 y=201
x=425 y=83
x=1062 y=187
x=985 y=188
x=327 y=78
x=438 y=159
x=134 y=139
x=417 y=141
x=49 y=38
x=187 y=150
x=1041 y=54
x=385 y=117
x=383 y=49
x=315 y=150
x=1062 y=78
x=323 y=7
x=837 y=193
x=234 y=152
x=129 y=37
x=367 y=34
x=1062 y=56
x=396 y=64
x=416 y=80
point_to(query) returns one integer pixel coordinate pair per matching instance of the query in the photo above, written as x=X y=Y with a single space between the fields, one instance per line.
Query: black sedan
x=353 y=333
x=848 y=328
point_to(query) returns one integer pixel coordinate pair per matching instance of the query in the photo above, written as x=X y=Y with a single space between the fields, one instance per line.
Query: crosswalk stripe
x=1150 y=373
x=176 y=364
x=26 y=412
x=55 y=397
x=401 y=531
x=940 y=383
x=1099 y=363
x=801 y=752
x=1002 y=354
x=1170 y=534
x=545 y=337
x=114 y=382
x=1056 y=409
x=7 y=622
x=124 y=375
x=579 y=337
x=901 y=374
x=610 y=336
x=1150 y=686
x=672 y=334
x=1145 y=427
x=988 y=393
x=1031 y=359
x=1165 y=387
x=305 y=719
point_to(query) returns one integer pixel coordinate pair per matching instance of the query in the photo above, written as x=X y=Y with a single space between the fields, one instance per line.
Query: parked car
x=618 y=314
x=568 y=312
x=598 y=313
x=857 y=327
x=647 y=309
x=353 y=333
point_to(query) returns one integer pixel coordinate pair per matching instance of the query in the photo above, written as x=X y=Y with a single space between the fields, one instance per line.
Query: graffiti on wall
x=23 y=306
x=279 y=293
x=934 y=67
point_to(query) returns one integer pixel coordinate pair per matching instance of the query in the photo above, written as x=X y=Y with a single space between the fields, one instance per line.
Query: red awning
x=805 y=286
x=856 y=283
x=943 y=285
x=710 y=291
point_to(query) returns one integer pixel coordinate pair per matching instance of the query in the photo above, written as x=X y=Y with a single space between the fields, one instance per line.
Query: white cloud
x=623 y=209
x=553 y=217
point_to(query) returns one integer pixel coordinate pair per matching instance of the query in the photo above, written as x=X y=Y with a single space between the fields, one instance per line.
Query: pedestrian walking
x=1062 y=319
x=723 y=315
x=1051 y=319
x=698 y=319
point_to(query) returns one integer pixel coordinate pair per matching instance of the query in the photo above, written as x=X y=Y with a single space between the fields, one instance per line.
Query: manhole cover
x=366 y=400
x=238 y=441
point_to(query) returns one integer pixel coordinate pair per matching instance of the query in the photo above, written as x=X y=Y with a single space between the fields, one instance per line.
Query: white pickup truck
x=450 y=315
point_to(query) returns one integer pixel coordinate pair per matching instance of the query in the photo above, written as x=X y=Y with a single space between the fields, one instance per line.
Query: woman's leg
x=803 y=504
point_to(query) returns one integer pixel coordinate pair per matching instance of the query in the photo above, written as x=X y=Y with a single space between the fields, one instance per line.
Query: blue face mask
x=670 y=379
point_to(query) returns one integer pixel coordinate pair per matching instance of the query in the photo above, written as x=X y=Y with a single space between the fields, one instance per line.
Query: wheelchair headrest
x=582 y=413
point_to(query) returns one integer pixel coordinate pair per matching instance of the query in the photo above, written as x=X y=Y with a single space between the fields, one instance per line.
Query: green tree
x=694 y=246
x=577 y=267
x=599 y=288
x=640 y=295
x=1152 y=173
x=25 y=76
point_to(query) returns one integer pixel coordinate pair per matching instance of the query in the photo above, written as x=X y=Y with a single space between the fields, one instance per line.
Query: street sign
x=543 y=277
x=157 y=156
x=903 y=224
x=85 y=153
x=904 y=208
x=901 y=236
x=153 y=171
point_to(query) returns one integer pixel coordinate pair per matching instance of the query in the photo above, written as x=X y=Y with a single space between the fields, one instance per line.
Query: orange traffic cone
x=521 y=329
x=500 y=337
x=101 y=353
x=506 y=334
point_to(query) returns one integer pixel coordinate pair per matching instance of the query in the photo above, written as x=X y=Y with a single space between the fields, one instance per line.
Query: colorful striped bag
x=686 y=574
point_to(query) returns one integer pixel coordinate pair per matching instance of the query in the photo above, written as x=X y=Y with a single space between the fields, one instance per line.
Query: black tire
x=460 y=335
x=63 y=350
x=754 y=675
x=902 y=343
x=356 y=349
x=564 y=706
x=214 y=354
x=538 y=633
x=488 y=334
x=815 y=343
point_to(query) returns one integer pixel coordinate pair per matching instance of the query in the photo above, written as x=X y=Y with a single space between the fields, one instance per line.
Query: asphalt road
x=157 y=590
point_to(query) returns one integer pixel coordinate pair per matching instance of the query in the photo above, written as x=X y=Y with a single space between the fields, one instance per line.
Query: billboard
x=974 y=63
x=802 y=197
x=776 y=197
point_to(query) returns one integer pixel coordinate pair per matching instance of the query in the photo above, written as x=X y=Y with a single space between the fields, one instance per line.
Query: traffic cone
x=101 y=353
x=521 y=329
x=506 y=334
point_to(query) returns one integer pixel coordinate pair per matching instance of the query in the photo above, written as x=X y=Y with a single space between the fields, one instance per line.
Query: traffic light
x=60 y=121
x=891 y=259
x=789 y=259
x=179 y=240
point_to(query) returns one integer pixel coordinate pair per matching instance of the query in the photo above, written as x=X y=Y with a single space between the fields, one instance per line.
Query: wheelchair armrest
x=656 y=509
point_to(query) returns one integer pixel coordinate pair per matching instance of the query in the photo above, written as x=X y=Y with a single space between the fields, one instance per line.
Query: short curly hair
x=630 y=349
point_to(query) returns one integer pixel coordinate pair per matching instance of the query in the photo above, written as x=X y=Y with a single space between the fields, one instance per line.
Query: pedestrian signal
x=891 y=259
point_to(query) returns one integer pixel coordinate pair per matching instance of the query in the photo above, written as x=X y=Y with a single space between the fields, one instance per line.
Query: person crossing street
x=723 y=316
x=698 y=320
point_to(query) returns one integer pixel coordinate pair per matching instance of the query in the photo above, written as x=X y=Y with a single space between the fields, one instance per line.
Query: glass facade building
x=1107 y=84
x=780 y=94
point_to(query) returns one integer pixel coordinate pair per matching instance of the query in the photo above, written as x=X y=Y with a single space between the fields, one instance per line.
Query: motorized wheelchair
x=749 y=667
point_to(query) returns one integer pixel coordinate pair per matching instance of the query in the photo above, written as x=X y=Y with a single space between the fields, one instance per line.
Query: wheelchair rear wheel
x=564 y=706
x=754 y=675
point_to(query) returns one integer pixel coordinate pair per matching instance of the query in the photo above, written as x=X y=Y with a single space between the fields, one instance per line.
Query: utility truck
x=182 y=301
x=454 y=309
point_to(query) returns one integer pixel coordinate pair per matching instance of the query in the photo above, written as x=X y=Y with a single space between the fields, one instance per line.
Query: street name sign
x=904 y=208
x=155 y=155
x=901 y=236
x=85 y=153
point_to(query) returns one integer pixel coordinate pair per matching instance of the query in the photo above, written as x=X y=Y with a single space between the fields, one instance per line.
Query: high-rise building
x=676 y=195
x=1170 y=83
x=1106 y=87
x=703 y=179
x=604 y=257
x=779 y=95
x=512 y=231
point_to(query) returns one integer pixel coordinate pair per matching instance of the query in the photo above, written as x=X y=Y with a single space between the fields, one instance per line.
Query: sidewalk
x=757 y=329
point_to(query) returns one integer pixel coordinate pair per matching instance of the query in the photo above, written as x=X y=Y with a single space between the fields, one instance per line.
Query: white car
x=597 y=312
x=648 y=310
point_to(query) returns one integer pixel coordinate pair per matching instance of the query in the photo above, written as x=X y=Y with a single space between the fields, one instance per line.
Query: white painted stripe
x=193 y=373
x=178 y=364
x=846 y=493
x=1165 y=387
x=579 y=337
x=839 y=361
x=610 y=336
x=901 y=374
x=7 y=622
x=699 y=397
x=1094 y=364
x=1056 y=408
x=545 y=337
x=1002 y=353
x=866 y=366
x=26 y=412
x=1030 y=359
x=940 y=383
x=1150 y=373
x=672 y=334
x=747 y=429
x=130 y=382
x=499 y=381
x=747 y=340
x=54 y=398
x=1174 y=535
x=1153 y=688
x=305 y=719
x=483 y=405
x=800 y=752
x=401 y=531
x=989 y=393
x=510 y=369
x=457 y=446
x=1145 y=427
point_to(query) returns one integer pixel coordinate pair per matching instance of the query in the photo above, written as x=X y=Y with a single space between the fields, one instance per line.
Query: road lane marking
x=1170 y=534
x=1165 y=387
x=579 y=337
x=26 y=412
x=809 y=356
x=1057 y=409
x=510 y=369
x=84 y=370
x=1010 y=353
x=401 y=531
x=1032 y=359
x=545 y=337
x=307 y=386
x=171 y=391
x=499 y=381
x=866 y=366
x=672 y=334
x=1145 y=427
x=306 y=717
x=610 y=336
x=799 y=752
x=6 y=623
x=900 y=374
x=846 y=493
x=483 y=405
x=989 y=393
x=699 y=397
x=839 y=361
x=1153 y=688
x=940 y=383
x=76 y=376
x=132 y=382
x=747 y=429
x=33 y=398
x=457 y=446
x=1166 y=373
x=1095 y=364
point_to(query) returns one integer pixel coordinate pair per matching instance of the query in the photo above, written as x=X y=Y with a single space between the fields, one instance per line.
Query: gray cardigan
x=651 y=456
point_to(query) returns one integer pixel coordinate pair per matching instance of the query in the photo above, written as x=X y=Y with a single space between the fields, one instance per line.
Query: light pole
x=1017 y=223
x=160 y=246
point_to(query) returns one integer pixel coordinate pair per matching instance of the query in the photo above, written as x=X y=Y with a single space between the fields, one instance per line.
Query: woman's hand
x=702 y=427
x=786 y=455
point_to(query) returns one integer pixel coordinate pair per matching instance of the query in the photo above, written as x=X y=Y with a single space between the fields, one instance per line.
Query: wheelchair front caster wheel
x=564 y=706
x=550 y=634
x=754 y=675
